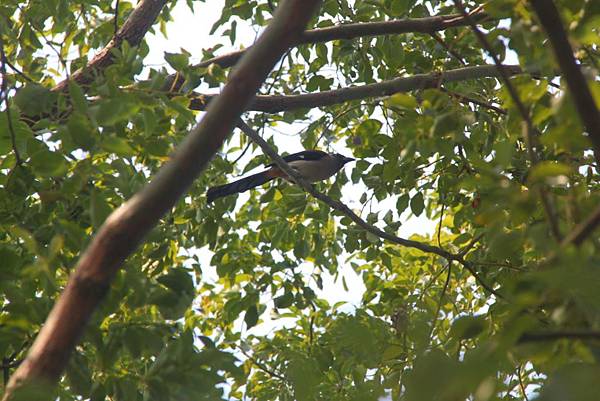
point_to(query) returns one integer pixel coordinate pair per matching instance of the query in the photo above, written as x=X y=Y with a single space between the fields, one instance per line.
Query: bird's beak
x=348 y=159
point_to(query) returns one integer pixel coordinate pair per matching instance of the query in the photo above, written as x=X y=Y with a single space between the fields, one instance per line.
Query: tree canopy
x=478 y=118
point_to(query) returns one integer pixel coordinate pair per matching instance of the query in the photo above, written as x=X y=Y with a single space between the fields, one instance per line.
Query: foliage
x=176 y=322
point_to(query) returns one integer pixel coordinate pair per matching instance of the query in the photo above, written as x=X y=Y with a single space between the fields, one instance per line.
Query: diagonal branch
x=428 y=25
x=583 y=229
x=467 y=99
x=345 y=210
x=528 y=128
x=133 y=30
x=278 y=103
x=125 y=228
x=4 y=98
x=582 y=96
x=335 y=204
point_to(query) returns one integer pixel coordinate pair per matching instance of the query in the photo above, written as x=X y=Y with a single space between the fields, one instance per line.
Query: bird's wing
x=304 y=155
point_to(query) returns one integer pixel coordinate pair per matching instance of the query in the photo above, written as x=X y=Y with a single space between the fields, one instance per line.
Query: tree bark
x=132 y=31
x=126 y=227
x=347 y=31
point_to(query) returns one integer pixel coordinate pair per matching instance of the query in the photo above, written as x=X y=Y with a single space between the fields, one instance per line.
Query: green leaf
x=402 y=100
x=546 y=169
x=178 y=61
x=48 y=164
x=304 y=375
x=77 y=97
x=466 y=327
x=100 y=209
x=402 y=202
x=417 y=204
x=34 y=99
x=284 y=301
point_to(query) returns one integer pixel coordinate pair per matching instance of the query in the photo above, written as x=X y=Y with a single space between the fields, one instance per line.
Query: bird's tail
x=238 y=186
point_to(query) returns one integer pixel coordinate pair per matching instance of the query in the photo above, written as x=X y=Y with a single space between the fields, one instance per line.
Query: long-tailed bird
x=313 y=165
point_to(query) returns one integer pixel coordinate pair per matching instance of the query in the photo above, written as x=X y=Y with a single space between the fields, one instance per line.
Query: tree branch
x=528 y=128
x=345 y=210
x=4 y=97
x=582 y=96
x=467 y=99
x=427 y=25
x=559 y=335
x=337 y=205
x=583 y=229
x=126 y=227
x=505 y=77
x=278 y=103
x=133 y=30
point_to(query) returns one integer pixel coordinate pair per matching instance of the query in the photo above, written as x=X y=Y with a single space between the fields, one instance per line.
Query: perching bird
x=313 y=165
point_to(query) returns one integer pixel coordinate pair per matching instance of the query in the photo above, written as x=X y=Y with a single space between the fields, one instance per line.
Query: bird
x=312 y=165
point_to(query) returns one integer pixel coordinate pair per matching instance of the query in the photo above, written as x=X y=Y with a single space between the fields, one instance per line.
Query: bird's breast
x=314 y=171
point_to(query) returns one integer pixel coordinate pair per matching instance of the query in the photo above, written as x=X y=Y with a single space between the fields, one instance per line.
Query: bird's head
x=343 y=159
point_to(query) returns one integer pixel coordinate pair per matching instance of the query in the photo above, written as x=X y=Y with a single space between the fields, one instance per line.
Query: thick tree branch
x=428 y=25
x=133 y=30
x=278 y=103
x=582 y=96
x=126 y=227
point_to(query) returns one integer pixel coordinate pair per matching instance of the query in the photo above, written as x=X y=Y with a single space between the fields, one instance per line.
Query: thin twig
x=261 y=366
x=342 y=208
x=521 y=385
x=116 y=21
x=505 y=77
x=439 y=230
x=4 y=96
x=242 y=154
x=471 y=269
x=466 y=99
x=470 y=245
x=18 y=71
x=439 y=305
x=547 y=204
x=430 y=282
x=528 y=129
x=453 y=53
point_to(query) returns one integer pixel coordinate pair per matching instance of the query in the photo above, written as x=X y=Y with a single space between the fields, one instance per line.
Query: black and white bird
x=313 y=165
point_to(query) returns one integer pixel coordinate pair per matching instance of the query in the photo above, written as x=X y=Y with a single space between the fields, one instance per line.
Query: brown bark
x=347 y=31
x=126 y=227
x=133 y=30
x=278 y=103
